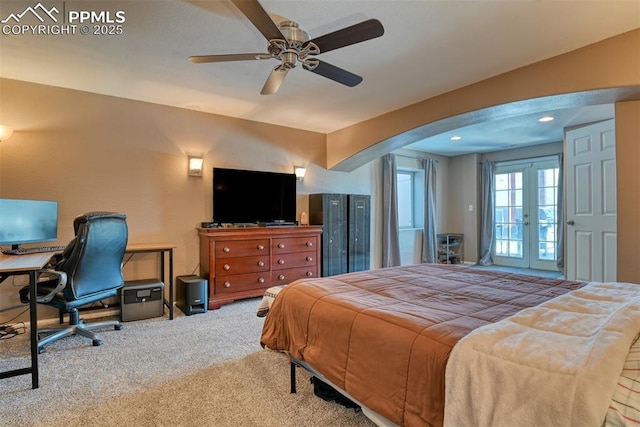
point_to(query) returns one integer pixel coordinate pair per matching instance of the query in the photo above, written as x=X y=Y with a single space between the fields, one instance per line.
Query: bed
x=384 y=337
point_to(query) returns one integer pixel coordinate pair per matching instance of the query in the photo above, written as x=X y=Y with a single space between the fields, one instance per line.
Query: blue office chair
x=89 y=271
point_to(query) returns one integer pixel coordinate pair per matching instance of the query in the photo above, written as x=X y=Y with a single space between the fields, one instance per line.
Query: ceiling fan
x=291 y=45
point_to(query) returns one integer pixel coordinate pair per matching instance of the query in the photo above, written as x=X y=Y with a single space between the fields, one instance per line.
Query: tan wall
x=462 y=189
x=94 y=152
x=628 y=184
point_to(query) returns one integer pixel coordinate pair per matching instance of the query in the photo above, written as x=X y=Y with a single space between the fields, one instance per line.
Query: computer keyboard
x=37 y=250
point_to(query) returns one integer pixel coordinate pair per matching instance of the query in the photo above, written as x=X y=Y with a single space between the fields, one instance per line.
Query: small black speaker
x=191 y=294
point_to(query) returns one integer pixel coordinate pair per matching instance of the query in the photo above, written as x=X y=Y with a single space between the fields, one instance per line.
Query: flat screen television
x=253 y=197
x=28 y=221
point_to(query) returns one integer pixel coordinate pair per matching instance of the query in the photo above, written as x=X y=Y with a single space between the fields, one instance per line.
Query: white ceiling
x=429 y=47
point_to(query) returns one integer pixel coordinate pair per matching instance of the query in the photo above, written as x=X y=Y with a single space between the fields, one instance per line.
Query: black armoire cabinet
x=345 y=232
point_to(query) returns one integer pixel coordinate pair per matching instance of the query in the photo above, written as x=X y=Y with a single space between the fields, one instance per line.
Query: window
x=406 y=199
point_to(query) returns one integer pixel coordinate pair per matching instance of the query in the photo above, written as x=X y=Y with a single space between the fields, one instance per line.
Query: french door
x=526 y=213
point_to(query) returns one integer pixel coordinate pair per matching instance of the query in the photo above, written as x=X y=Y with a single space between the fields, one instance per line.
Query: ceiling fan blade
x=335 y=73
x=259 y=18
x=274 y=80
x=231 y=57
x=366 y=30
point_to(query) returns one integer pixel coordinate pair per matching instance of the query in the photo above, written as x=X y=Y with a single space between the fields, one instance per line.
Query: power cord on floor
x=11 y=331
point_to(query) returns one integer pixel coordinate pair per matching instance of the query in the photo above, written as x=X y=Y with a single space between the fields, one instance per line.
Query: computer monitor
x=28 y=221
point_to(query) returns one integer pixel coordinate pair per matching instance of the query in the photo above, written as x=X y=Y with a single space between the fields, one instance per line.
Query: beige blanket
x=556 y=364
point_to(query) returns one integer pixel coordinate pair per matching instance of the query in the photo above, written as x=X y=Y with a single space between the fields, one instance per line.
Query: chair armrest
x=62 y=282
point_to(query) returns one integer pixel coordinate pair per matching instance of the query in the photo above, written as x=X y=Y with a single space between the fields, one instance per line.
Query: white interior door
x=591 y=206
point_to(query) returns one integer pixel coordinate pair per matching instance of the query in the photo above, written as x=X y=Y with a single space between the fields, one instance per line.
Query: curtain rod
x=526 y=159
x=415 y=158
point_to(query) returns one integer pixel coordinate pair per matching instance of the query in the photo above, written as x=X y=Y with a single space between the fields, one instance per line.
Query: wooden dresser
x=243 y=262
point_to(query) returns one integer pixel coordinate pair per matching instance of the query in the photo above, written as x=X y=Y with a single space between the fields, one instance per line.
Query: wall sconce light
x=299 y=171
x=5 y=132
x=195 y=165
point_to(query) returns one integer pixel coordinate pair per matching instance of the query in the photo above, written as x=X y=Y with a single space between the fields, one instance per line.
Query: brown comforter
x=384 y=336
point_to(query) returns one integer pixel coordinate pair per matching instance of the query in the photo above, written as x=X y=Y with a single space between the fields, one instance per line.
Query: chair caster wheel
x=97 y=342
x=118 y=327
x=41 y=350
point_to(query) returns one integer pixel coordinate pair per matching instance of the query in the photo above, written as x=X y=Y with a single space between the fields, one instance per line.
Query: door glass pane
x=547 y=213
x=508 y=214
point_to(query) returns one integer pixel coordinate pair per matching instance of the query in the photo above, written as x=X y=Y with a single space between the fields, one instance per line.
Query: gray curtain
x=390 y=229
x=560 y=213
x=429 y=238
x=488 y=203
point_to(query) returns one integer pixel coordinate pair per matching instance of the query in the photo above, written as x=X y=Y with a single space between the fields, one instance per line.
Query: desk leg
x=162 y=268
x=171 y=290
x=33 y=318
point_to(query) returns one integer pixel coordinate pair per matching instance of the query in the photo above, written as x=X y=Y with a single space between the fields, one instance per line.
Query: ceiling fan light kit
x=290 y=45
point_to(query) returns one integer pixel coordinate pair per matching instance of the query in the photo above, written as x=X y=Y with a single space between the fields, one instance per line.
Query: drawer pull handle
x=281 y=245
x=261 y=280
x=309 y=258
x=280 y=261
x=260 y=247
x=227 y=284
x=260 y=264
x=309 y=273
x=226 y=249
x=281 y=277
x=227 y=267
x=309 y=244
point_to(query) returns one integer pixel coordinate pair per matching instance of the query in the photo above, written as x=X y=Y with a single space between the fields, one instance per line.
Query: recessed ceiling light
x=455 y=138
x=545 y=119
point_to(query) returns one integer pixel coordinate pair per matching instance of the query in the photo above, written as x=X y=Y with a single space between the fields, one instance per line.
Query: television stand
x=243 y=262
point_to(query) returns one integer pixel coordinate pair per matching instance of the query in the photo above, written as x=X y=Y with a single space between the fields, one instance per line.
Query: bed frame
x=376 y=418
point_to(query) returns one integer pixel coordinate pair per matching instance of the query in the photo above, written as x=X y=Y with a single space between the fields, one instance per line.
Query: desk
x=31 y=264
x=162 y=249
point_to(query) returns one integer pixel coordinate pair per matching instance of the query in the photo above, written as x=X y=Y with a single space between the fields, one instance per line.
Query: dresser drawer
x=284 y=245
x=284 y=277
x=241 y=282
x=238 y=248
x=299 y=259
x=238 y=265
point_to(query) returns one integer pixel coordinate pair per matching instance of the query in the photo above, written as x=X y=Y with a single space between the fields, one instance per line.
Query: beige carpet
x=207 y=370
